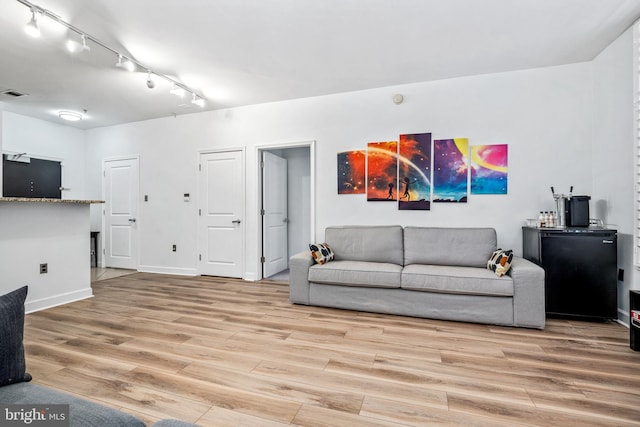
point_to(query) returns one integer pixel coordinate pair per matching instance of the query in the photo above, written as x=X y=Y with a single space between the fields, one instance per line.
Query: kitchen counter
x=45 y=244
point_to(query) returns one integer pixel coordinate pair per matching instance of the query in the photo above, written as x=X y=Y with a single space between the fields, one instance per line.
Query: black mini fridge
x=580 y=267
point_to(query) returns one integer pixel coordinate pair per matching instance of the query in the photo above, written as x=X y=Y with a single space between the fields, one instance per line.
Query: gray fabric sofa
x=429 y=272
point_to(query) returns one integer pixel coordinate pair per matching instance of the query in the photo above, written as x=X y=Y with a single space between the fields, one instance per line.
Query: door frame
x=103 y=239
x=242 y=151
x=311 y=144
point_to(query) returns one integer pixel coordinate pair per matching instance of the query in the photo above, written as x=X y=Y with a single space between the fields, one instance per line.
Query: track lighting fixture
x=150 y=83
x=73 y=46
x=195 y=99
x=71 y=116
x=123 y=61
x=176 y=90
x=32 y=26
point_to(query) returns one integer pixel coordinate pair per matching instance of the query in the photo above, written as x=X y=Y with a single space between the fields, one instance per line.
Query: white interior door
x=220 y=229
x=121 y=183
x=274 y=218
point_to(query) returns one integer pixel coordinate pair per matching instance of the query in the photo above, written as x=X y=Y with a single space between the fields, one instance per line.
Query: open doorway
x=286 y=206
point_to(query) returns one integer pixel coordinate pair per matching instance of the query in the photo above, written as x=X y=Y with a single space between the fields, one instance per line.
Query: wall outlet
x=174 y=248
x=44 y=268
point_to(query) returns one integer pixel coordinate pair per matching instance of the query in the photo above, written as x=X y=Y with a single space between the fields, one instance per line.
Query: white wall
x=545 y=115
x=50 y=141
x=613 y=147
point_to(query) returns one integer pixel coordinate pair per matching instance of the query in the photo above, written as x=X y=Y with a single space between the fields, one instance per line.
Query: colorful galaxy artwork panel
x=489 y=169
x=351 y=172
x=450 y=170
x=382 y=170
x=414 y=172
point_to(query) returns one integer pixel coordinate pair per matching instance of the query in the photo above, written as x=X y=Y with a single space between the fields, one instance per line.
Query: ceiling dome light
x=71 y=116
x=32 y=26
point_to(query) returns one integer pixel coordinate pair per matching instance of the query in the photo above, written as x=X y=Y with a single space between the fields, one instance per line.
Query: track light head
x=196 y=100
x=32 y=26
x=177 y=90
x=125 y=63
x=73 y=46
x=85 y=46
x=150 y=83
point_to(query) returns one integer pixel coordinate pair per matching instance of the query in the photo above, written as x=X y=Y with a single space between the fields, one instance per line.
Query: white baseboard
x=53 y=301
x=250 y=277
x=167 y=270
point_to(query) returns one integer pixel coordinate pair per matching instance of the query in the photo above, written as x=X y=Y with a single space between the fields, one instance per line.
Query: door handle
x=235 y=221
x=132 y=220
x=285 y=220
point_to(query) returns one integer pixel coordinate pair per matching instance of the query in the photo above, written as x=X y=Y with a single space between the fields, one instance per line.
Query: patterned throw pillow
x=500 y=261
x=321 y=253
x=12 y=364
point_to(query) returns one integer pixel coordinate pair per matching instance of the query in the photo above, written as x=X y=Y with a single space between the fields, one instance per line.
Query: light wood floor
x=98 y=273
x=223 y=352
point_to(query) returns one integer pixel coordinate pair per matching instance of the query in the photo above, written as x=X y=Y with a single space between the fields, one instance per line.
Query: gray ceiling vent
x=12 y=93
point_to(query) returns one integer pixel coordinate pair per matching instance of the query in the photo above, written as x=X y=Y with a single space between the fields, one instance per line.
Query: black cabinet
x=580 y=267
x=33 y=178
x=634 y=322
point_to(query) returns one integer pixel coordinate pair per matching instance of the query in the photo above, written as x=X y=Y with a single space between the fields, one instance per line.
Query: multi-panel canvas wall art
x=382 y=170
x=414 y=172
x=450 y=170
x=351 y=172
x=489 y=169
x=417 y=170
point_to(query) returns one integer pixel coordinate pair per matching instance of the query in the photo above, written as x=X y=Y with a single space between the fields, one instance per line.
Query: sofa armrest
x=299 y=277
x=528 y=293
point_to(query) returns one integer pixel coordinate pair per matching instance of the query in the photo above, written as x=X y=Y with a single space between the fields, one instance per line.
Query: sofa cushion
x=357 y=273
x=12 y=363
x=321 y=253
x=455 y=280
x=367 y=243
x=469 y=247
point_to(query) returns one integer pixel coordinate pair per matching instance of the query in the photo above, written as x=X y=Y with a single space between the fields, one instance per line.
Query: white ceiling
x=242 y=52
